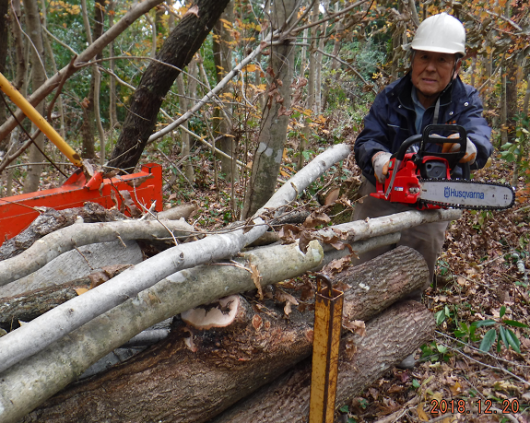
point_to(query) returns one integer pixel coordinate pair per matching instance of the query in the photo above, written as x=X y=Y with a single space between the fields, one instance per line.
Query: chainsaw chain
x=460 y=206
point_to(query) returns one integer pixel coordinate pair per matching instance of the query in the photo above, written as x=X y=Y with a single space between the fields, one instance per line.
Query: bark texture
x=273 y=131
x=51 y=220
x=196 y=374
x=389 y=337
x=76 y=264
x=31 y=304
x=69 y=238
x=177 y=51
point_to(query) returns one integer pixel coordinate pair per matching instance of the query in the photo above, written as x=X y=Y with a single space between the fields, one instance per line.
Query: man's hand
x=471 y=150
x=380 y=162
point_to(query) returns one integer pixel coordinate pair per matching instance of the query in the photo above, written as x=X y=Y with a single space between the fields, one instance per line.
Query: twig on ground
x=502 y=369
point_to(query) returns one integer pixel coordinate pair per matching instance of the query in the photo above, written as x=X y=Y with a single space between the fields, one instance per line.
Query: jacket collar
x=403 y=89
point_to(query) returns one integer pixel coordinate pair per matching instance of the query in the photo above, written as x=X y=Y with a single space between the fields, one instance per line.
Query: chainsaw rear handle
x=428 y=137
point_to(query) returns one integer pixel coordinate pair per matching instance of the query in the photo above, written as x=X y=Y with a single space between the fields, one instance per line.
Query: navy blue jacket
x=391 y=121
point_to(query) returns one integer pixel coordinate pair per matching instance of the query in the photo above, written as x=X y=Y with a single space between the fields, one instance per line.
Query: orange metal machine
x=17 y=212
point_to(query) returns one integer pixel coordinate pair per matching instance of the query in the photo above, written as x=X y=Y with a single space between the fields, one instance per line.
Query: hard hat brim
x=437 y=49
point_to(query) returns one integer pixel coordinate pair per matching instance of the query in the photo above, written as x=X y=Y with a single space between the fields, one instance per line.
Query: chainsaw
x=423 y=178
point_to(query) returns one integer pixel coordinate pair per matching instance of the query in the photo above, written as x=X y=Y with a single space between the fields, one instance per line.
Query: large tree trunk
x=196 y=374
x=178 y=50
x=389 y=337
x=28 y=384
x=268 y=156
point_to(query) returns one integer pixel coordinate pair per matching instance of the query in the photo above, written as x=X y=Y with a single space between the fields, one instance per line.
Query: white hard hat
x=440 y=33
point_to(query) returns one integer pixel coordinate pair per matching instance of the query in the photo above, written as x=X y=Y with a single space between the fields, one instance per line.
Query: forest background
x=337 y=55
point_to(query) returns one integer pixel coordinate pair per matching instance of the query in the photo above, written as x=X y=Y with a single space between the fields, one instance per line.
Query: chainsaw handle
x=400 y=154
x=452 y=158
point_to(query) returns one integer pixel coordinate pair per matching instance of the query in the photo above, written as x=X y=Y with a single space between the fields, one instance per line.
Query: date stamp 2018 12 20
x=460 y=406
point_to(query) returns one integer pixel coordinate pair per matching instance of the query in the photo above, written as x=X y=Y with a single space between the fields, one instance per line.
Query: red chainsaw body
x=406 y=187
x=17 y=212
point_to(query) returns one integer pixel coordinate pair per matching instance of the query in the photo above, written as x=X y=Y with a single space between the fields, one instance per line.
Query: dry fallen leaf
x=256 y=278
x=422 y=414
x=80 y=290
x=355 y=326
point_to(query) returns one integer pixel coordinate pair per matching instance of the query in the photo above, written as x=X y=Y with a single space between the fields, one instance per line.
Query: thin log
x=51 y=220
x=76 y=264
x=391 y=336
x=178 y=212
x=67 y=239
x=222 y=365
x=31 y=304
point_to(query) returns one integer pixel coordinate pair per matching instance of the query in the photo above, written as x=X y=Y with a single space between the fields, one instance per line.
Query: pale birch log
x=369 y=228
x=41 y=332
x=53 y=245
x=51 y=220
x=75 y=264
x=27 y=384
x=177 y=212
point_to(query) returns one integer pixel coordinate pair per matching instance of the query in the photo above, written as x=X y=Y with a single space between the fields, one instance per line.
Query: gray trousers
x=428 y=238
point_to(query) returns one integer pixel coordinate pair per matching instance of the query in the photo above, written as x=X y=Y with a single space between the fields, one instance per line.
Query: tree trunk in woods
x=18 y=41
x=311 y=88
x=88 y=125
x=512 y=68
x=222 y=55
x=4 y=25
x=334 y=65
x=113 y=114
x=33 y=22
x=268 y=156
x=184 y=136
x=178 y=50
x=195 y=374
x=389 y=337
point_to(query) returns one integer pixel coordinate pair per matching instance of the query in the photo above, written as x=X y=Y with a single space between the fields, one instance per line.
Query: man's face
x=431 y=72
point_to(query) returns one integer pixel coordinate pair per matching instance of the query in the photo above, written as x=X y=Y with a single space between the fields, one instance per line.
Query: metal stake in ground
x=326 y=341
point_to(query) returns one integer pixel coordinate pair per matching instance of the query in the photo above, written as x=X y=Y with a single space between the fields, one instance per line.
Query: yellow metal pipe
x=39 y=121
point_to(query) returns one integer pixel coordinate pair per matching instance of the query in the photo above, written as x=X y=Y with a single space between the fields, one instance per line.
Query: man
x=431 y=92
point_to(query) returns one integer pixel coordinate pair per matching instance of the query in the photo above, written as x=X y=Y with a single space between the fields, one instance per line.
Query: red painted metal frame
x=17 y=212
x=407 y=177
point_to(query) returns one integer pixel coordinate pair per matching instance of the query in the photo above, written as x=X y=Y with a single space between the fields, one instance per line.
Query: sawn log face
x=195 y=375
x=389 y=337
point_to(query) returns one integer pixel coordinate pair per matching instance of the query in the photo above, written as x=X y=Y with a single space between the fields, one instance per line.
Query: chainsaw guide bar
x=465 y=194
